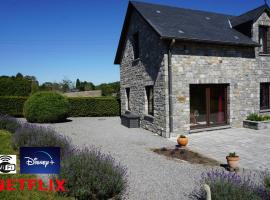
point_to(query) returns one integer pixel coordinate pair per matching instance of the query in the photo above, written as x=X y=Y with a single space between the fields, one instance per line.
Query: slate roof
x=252 y=15
x=187 y=25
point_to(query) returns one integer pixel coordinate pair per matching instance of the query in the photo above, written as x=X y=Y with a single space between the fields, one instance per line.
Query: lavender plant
x=90 y=174
x=29 y=135
x=8 y=123
x=232 y=186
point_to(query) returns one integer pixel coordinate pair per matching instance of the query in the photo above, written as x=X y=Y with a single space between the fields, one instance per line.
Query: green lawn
x=6 y=148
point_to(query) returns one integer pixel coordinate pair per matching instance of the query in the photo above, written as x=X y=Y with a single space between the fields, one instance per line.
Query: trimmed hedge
x=12 y=86
x=79 y=106
x=12 y=106
x=94 y=107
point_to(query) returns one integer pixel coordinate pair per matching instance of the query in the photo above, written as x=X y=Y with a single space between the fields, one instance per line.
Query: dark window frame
x=150 y=99
x=264 y=96
x=264 y=39
x=136 y=46
x=128 y=98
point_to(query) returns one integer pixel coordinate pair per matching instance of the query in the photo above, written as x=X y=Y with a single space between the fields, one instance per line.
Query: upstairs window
x=265 y=96
x=264 y=39
x=150 y=100
x=128 y=98
x=136 y=47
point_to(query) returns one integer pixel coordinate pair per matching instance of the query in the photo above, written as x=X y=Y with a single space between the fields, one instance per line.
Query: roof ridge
x=176 y=7
x=250 y=11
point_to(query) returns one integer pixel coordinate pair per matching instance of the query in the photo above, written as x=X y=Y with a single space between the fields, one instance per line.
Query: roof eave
x=211 y=41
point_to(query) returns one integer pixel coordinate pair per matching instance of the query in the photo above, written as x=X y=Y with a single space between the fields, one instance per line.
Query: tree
x=78 y=84
x=89 y=86
x=66 y=85
x=19 y=75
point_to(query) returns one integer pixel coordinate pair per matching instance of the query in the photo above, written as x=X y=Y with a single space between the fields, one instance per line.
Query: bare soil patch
x=187 y=155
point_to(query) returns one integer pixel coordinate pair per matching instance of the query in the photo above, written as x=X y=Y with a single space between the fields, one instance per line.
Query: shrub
x=15 y=86
x=10 y=124
x=89 y=174
x=257 y=118
x=46 y=107
x=29 y=135
x=12 y=106
x=94 y=106
x=227 y=185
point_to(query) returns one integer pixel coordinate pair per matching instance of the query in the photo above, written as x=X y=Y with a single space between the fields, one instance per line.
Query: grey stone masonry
x=147 y=70
x=241 y=68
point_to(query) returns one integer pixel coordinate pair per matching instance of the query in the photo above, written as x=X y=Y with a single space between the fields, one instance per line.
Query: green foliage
x=222 y=190
x=15 y=86
x=109 y=89
x=233 y=154
x=34 y=87
x=93 y=106
x=257 y=118
x=12 y=105
x=84 y=86
x=46 y=107
x=79 y=106
x=89 y=174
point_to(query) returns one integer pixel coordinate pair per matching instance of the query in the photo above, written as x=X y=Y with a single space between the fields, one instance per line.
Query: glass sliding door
x=198 y=114
x=208 y=105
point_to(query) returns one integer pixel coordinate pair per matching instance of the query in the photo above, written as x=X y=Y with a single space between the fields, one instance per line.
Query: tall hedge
x=93 y=106
x=12 y=86
x=79 y=106
x=12 y=105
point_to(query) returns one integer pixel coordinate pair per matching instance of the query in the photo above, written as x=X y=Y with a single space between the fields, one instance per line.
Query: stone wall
x=263 y=61
x=211 y=64
x=147 y=70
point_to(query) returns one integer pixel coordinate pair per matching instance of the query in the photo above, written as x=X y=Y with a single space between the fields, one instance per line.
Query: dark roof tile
x=187 y=24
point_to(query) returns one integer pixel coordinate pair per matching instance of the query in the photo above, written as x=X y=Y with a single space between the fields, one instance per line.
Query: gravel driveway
x=150 y=176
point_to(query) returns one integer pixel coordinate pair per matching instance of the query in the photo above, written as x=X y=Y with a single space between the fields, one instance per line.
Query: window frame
x=265 y=96
x=149 y=91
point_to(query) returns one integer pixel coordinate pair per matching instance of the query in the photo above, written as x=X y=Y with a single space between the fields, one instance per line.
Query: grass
x=6 y=148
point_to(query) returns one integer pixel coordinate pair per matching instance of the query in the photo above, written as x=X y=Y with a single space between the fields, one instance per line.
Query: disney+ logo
x=40 y=160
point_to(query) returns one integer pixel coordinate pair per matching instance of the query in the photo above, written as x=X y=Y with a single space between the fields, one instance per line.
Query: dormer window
x=264 y=39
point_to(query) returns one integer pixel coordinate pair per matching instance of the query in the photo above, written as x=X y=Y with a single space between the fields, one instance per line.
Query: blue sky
x=57 y=39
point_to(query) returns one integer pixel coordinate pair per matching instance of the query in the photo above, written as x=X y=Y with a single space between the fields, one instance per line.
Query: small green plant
x=257 y=118
x=46 y=107
x=182 y=136
x=233 y=154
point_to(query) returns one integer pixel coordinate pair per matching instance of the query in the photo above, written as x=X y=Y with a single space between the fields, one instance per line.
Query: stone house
x=185 y=70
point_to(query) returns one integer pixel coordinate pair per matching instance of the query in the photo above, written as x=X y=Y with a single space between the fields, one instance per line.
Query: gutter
x=170 y=46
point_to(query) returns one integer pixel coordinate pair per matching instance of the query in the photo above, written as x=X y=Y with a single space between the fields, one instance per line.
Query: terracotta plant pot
x=182 y=141
x=233 y=162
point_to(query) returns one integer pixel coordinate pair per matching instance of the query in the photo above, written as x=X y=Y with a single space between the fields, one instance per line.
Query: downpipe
x=170 y=86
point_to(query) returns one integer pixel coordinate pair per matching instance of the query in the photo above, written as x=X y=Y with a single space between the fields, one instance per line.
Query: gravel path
x=150 y=176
